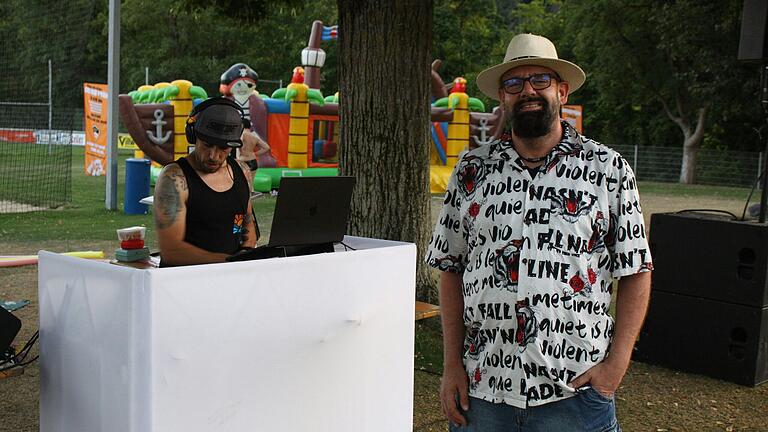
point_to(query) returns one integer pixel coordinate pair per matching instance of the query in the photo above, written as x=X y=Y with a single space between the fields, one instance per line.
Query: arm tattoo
x=168 y=203
x=247 y=218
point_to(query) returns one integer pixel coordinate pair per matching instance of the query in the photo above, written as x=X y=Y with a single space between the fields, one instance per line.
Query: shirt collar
x=502 y=148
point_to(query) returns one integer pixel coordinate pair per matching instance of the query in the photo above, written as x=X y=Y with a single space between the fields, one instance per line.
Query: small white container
x=131 y=233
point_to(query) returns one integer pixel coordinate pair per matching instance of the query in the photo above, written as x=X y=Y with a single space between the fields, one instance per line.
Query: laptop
x=311 y=215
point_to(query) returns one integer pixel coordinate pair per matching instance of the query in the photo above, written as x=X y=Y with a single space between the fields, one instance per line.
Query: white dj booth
x=312 y=343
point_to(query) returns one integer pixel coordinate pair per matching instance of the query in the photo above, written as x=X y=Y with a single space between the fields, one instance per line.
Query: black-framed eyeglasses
x=515 y=85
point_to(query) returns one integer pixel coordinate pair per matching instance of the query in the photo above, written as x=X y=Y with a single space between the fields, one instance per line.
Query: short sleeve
x=627 y=238
x=448 y=246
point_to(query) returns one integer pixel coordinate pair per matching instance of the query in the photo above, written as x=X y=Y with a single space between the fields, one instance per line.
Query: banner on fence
x=17 y=136
x=572 y=114
x=95 y=110
x=124 y=141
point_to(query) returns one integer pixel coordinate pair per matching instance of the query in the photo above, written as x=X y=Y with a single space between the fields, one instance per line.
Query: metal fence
x=714 y=167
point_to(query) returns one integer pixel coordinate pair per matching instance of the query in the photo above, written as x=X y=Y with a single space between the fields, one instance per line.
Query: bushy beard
x=531 y=124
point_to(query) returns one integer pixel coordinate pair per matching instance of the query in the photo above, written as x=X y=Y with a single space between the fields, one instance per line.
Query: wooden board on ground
x=11 y=372
x=426 y=310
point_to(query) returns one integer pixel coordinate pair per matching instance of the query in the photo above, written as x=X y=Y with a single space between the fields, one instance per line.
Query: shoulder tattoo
x=168 y=197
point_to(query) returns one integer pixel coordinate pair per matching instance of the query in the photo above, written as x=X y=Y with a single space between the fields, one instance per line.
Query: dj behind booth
x=314 y=322
x=203 y=213
x=202 y=202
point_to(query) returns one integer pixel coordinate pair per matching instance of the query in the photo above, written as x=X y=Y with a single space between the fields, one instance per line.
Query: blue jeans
x=588 y=411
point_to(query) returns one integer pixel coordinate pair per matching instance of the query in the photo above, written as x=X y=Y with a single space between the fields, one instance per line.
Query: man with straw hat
x=534 y=229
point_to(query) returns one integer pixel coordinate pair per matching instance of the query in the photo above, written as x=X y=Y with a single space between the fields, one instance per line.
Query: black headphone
x=189 y=129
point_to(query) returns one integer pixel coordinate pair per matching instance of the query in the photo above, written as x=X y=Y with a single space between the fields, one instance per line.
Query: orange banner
x=573 y=114
x=95 y=111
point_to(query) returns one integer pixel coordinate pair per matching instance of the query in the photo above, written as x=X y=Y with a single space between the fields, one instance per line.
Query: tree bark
x=691 y=145
x=692 y=138
x=384 y=88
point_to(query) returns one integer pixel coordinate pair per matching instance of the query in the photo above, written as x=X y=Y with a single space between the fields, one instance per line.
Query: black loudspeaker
x=708 y=256
x=752 y=43
x=709 y=303
x=9 y=327
x=708 y=337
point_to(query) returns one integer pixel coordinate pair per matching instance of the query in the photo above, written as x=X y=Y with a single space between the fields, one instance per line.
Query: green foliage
x=175 y=39
x=636 y=54
x=428 y=346
x=35 y=31
x=469 y=36
x=197 y=42
x=639 y=56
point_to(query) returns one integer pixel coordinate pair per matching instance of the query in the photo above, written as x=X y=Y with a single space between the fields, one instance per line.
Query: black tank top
x=215 y=220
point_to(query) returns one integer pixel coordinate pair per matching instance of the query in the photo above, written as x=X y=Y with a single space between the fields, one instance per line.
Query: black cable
x=22 y=354
x=17 y=359
x=21 y=364
x=749 y=197
x=29 y=362
x=347 y=247
x=708 y=211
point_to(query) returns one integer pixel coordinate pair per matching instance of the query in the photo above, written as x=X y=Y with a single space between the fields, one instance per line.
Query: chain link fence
x=713 y=167
x=42 y=50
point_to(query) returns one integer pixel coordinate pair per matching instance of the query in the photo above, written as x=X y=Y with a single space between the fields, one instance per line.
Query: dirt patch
x=15 y=207
x=651 y=398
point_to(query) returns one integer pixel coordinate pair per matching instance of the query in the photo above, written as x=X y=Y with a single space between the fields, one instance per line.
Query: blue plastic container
x=136 y=185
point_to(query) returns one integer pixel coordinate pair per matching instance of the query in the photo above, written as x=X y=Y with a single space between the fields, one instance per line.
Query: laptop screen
x=311 y=210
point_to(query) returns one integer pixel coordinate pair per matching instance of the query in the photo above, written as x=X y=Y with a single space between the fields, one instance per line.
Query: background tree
x=198 y=41
x=657 y=71
x=32 y=33
x=384 y=62
x=468 y=36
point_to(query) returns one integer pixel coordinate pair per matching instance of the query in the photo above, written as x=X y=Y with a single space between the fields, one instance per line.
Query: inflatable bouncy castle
x=298 y=126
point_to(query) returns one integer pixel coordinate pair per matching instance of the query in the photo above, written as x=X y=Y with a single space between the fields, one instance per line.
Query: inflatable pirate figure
x=239 y=84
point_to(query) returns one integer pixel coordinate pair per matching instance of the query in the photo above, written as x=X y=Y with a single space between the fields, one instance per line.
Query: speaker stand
x=764 y=103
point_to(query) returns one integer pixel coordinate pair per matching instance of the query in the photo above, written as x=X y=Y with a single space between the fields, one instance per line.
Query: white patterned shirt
x=538 y=256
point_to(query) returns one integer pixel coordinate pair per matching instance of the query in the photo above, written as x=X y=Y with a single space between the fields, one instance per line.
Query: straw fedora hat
x=529 y=50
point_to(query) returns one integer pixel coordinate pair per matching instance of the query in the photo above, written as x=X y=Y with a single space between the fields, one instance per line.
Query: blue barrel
x=136 y=185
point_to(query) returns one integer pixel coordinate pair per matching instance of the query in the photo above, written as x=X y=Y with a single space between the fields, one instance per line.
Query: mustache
x=518 y=104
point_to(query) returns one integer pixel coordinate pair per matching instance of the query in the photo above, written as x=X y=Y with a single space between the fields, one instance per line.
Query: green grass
x=86 y=218
x=428 y=349
x=32 y=173
x=677 y=189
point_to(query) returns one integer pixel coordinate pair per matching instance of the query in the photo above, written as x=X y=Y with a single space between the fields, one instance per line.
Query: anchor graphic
x=484 y=138
x=159 y=139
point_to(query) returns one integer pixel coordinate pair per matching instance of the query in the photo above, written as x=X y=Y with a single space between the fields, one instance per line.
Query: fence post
x=634 y=168
x=759 y=169
x=50 y=104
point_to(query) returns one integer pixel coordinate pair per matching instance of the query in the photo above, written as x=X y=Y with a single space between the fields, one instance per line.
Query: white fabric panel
x=321 y=343
x=90 y=361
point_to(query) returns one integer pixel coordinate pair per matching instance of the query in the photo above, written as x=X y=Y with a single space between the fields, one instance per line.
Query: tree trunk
x=688 y=166
x=691 y=144
x=692 y=138
x=384 y=65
